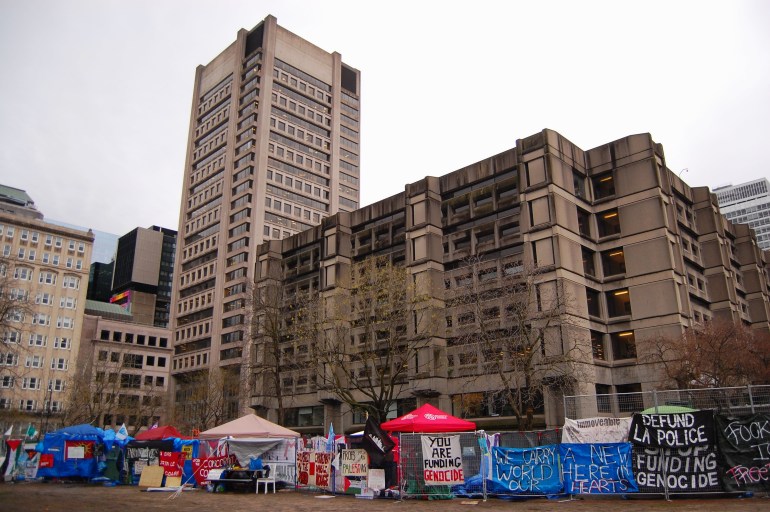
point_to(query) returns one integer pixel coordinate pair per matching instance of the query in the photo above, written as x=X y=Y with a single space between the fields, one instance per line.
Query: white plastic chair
x=267 y=480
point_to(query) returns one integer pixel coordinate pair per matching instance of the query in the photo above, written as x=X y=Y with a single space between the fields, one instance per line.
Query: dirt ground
x=65 y=497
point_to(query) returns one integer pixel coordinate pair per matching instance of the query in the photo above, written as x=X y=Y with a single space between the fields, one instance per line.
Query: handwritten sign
x=314 y=469
x=442 y=460
x=691 y=469
x=172 y=463
x=673 y=430
x=527 y=470
x=745 y=446
x=597 y=468
x=354 y=462
x=595 y=430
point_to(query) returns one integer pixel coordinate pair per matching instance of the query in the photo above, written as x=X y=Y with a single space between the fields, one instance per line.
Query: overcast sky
x=95 y=95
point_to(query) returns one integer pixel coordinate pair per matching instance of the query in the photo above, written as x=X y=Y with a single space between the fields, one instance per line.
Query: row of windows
x=193 y=331
x=44 y=277
x=132 y=360
x=129 y=337
x=31 y=405
x=62 y=322
x=191 y=361
x=38 y=340
x=55 y=385
x=35 y=361
x=199 y=247
x=46 y=258
x=48 y=240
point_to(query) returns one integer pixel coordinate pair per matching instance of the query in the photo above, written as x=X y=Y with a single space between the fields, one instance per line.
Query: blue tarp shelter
x=75 y=451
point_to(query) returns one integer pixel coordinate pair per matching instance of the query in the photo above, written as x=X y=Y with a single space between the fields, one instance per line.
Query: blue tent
x=75 y=451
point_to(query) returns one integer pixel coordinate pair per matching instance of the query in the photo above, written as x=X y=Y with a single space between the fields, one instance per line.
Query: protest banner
x=596 y=430
x=681 y=470
x=354 y=463
x=527 y=470
x=202 y=465
x=172 y=463
x=745 y=447
x=597 y=468
x=676 y=430
x=314 y=469
x=442 y=460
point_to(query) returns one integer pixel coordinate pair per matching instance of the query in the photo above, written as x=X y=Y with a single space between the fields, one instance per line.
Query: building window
x=597 y=345
x=603 y=398
x=618 y=303
x=613 y=262
x=579 y=182
x=623 y=345
x=584 y=222
x=603 y=185
x=592 y=300
x=609 y=223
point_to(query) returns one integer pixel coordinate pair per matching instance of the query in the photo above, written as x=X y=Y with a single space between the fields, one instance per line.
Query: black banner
x=675 y=430
x=375 y=438
x=681 y=470
x=745 y=446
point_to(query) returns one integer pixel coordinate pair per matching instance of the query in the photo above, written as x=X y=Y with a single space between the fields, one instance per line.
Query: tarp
x=250 y=425
x=247 y=448
x=157 y=433
x=428 y=419
x=72 y=452
x=84 y=429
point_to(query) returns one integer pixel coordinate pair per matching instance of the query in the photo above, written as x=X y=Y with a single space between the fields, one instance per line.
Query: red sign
x=172 y=463
x=46 y=460
x=202 y=466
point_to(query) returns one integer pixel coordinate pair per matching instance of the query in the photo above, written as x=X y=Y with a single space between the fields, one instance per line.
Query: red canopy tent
x=428 y=419
x=159 y=433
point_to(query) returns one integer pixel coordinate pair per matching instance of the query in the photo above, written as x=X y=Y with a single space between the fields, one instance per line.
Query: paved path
x=61 y=497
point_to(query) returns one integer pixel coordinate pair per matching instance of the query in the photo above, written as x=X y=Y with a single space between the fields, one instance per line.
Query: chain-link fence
x=730 y=401
x=473 y=445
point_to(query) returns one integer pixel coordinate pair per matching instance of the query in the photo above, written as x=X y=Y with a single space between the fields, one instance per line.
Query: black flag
x=375 y=438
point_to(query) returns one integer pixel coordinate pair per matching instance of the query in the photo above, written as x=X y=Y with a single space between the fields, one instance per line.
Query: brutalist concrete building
x=640 y=253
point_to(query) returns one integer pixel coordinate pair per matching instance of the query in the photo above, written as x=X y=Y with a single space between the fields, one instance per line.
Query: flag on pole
x=9 y=431
x=122 y=433
x=330 y=439
x=31 y=431
x=375 y=438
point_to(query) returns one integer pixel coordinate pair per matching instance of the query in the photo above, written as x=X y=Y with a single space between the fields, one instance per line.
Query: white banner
x=596 y=430
x=442 y=460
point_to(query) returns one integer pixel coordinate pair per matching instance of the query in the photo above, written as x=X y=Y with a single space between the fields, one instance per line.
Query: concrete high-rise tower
x=273 y=149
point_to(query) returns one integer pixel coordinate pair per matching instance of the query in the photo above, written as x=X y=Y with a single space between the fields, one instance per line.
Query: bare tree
x=207 y=398
x=271 y=317
x=719 y=353
x=109 y=386
x=512 y=324
x=366 y=336
x=15 y=308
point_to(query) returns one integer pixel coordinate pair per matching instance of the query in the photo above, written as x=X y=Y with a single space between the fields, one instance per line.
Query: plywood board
x=152 y=476
x=173 y=481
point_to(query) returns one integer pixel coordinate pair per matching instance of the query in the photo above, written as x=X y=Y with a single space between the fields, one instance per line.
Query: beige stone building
x=638 y=251
x=46 y=266
x=126 y=365
x=273 y=149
